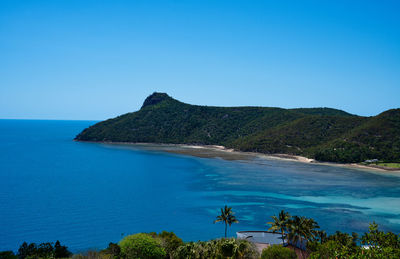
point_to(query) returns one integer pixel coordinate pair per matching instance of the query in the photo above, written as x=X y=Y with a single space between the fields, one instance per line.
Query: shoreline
x=218 y=151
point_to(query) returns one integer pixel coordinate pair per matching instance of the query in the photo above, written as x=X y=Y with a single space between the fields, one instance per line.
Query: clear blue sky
x=78 y=59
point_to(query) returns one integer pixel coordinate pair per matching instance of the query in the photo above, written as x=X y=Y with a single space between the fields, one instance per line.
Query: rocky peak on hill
x=155 y=98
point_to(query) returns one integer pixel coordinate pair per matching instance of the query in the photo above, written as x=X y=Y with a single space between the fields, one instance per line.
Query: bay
x=87 y=194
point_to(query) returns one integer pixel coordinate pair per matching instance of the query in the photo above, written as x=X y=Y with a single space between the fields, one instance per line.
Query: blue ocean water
x=87 y=195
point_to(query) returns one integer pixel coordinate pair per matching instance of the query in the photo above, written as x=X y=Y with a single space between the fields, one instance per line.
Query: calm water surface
x=87 y=195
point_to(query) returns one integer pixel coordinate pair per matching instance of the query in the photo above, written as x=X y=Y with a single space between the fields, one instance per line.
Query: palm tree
x=227 y=217
x=311 y=229
x=296 y=229
x=280 y=224
x=302 y=229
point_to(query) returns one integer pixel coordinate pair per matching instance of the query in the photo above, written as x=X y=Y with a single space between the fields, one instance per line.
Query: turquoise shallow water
x=87 y=195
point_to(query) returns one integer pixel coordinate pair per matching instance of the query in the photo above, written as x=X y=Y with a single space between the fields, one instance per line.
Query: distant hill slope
x=322 y=133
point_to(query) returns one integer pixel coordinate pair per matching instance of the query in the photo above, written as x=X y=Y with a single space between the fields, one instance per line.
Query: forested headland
x=324 y=134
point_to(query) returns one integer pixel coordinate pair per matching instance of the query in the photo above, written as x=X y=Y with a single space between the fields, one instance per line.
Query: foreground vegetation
x=315 y=243
x=321 y=133
x=301 y=234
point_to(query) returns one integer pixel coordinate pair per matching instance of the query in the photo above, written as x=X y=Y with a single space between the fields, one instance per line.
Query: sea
x=89 y=194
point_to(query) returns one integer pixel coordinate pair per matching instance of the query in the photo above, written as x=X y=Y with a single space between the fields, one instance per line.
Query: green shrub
x=228 y=247
x=278 y=252
x=91 y=254
x=376 y=238
x=191 y=250
x=142 y=246
x=221 y=248
x=245 y=249
x=385 y=252
x=170 y=242
x=333 y=249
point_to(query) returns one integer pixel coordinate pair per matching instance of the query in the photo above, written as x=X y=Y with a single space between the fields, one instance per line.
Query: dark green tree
x=61 y=251
x=8 y=255
x=45 y=250
x=280 y=223
x=380 y=242
x=301 y=231
x=26 y=250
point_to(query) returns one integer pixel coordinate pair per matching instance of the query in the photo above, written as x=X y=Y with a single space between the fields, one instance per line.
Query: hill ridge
x=324 y=134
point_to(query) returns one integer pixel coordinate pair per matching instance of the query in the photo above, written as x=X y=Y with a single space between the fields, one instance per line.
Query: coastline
x=217 y=151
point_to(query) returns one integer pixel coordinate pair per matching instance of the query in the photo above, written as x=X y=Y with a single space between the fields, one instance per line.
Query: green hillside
x=322 y=133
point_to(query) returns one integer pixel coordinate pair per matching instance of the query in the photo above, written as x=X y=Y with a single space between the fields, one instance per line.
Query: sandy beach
x=216 y=151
